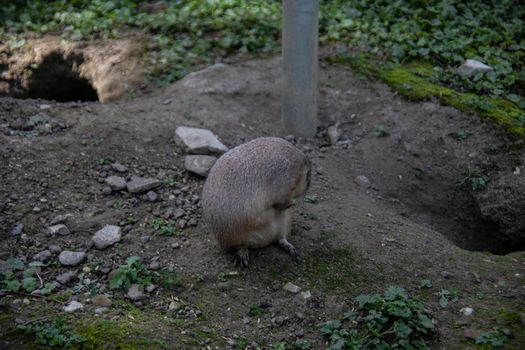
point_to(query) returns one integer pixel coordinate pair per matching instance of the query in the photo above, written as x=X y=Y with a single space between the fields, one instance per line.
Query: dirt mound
x=82 y=71
x=425 y=195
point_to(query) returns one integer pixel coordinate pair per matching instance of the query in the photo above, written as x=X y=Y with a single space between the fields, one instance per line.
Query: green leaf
x=443 y=301
x=132 y=260
x=401 y=329
x=48 y=288
x=29 y=284
x=15 y=264
x=425 y=321
x=425 y=283
x=12 y=285
x=330 y=326
x=395 y=293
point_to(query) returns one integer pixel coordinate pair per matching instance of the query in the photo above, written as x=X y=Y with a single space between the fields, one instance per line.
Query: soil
x=419 y=219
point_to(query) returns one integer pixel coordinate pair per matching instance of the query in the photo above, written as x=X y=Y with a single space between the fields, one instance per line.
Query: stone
x=154 y=265
x=198 y=141
x=117 y=183
x=299 y=333
x=471 y=66
x=73 y=306
x=59 y=229
x=141 y=184
x=119 y=167
x=107 y=236
x=179 y=212
x=152 y=196
x=150 y=288
x=174 y=306
x=61 y=219
x=106 y=190
x=362 y=181
x=100 y=310
x=101 y=301
x=446 y=275
x=471 y=333
x=467 y=311
x=55 y=249
x=17 y=230
x=334 y=133
x=291 y=288
x=199 y=165
x=135 y=292
x=65 y=278
x=306 y=295
x=43 y=256
x=69 y=258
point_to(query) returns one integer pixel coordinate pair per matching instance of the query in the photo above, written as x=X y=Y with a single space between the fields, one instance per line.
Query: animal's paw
x=288 y=247
x=241 y=258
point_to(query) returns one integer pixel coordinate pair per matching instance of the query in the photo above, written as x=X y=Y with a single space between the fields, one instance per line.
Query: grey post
x=300 y=65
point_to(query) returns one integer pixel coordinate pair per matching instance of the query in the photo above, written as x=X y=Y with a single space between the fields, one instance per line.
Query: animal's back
x=245 y=182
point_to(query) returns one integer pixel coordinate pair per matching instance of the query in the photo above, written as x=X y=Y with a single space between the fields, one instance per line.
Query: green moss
x=332 y=269
x=411 y=80
x=107 y=334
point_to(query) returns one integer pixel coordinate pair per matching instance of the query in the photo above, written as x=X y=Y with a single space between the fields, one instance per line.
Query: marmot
x=248 y=193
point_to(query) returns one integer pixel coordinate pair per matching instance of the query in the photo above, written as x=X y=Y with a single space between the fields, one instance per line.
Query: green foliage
x=391 y=320
x=9 y=282
x=475 y=179
x=165 y=227
x=443 y=32
x=496 y=338
x=255 y=310
x=312 y=199
x=380 y=131
x=54 y=334
x=446 y=296
x=460 y=135
x=133 y=272
x=425 y=283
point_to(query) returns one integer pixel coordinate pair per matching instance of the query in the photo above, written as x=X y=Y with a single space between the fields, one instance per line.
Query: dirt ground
x=417 y=220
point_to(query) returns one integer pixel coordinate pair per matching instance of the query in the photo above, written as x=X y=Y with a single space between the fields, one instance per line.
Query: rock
x=154 y=265
x=152 y=196
x=55 y=249
x=198 y=141
x=43 y=256
x=199 y=165
x=73 y=306
x=101 y=301
x=174 y=306
x=69 y=258
x=471 y=66
x=17 y=230
x=467 y=311
x=106 y=190
x=292 y=288
x=150 y=288
x=65 y=278
x=141 y=184
x=179 y=212
x=334 y=133
x=117 y=183
x=446 y=275
x=175 y=245
x=59 y=229
x=107 y=236
x=119 y=167
x=306 y=295
x=100 y=310
x=135 y=292
x=61 y=219
x=215 y=79
x=299 y=333
x=470 y=333
x=362 y=181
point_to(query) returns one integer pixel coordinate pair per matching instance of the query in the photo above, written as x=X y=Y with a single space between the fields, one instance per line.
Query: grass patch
x=412 y=81
x=389 y=321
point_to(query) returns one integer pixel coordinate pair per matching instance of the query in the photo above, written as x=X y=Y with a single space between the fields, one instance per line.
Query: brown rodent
x=248 y=193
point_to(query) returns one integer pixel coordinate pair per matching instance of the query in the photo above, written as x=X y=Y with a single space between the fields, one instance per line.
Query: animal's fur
x=247 y=196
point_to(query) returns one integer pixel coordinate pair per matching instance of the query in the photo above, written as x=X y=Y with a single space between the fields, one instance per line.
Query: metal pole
x=300 y=65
